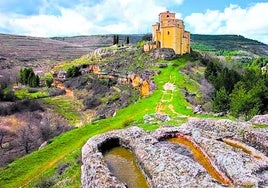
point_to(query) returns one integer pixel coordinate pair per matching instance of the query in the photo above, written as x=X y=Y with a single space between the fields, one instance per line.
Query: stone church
x=169 y=32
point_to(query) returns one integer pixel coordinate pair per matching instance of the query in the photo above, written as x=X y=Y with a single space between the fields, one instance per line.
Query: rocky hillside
x=29 y=51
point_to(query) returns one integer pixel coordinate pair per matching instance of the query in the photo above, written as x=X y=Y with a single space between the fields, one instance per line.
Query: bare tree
x=26 y=138
x=28 y=135
x=45 y=127
x=207 y=90
x=3 y=133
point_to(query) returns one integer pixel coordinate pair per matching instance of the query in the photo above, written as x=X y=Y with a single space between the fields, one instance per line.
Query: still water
x=122 y=164
x=201 y=158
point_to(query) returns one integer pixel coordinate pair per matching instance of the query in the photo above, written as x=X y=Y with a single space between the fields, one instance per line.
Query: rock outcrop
x=164 y=53
x=165 y=164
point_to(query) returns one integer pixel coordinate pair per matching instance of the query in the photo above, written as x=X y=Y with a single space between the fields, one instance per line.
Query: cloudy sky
x=49 y=18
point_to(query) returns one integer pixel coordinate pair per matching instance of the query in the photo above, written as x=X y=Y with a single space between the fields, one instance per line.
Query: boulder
x=198 y=109
x=164 y=53
x=260 y=119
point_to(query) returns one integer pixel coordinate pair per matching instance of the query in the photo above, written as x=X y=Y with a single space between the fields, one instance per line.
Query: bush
x=141 y=44
x=8 y=95
x=56 y=91
x=20 y=106
x=91 y=102
x=45 y=182
x=73 y=72
x=49 y=81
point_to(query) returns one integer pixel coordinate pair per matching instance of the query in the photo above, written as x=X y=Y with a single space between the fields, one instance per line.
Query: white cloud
x=250 y=22
x=108 y=16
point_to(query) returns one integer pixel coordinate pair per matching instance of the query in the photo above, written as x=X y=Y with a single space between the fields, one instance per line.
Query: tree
x=221 y=101
x=245 y=102
x=26 y=138
x=27 y=77
x=226 y=78
x=212 y=71
x=114 y=40
x=127 y=40
x=117 y=39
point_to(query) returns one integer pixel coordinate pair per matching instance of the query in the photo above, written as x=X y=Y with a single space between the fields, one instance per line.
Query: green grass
x=260 y=126
x=25 y=94
x=26 y=171
x=67 y=107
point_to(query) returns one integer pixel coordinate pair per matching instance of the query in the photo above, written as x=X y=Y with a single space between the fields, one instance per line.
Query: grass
x=67 y=107
x=260 y=126
x=25 y=94
x=26 y=171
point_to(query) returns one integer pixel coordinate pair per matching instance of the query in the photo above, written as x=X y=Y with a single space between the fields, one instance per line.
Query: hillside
x=59 y=163
x=18 y=50
x=93 y=103
x=228 y=43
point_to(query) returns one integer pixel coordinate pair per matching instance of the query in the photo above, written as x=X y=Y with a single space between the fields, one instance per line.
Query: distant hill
x=228 y=43
x=27 y=51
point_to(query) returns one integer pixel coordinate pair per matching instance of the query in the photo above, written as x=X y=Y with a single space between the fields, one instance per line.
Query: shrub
x=91 y=102
x=45 y=182
x=55 y=92
x=73 y=72
x=49 y=81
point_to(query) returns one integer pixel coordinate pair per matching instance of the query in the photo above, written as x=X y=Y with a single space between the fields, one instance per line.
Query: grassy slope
x=65 y=148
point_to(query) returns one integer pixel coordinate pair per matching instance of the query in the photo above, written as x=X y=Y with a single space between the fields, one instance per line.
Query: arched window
x=167 y=16
x=168 y=32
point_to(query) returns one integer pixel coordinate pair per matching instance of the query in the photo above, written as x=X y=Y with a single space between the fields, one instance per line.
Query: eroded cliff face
x=238 y=159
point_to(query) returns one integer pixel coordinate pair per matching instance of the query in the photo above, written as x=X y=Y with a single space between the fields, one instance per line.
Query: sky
x=49 y=18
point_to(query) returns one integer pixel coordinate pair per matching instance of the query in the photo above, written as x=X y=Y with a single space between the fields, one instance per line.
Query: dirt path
x=69 y=92
x=167 y=97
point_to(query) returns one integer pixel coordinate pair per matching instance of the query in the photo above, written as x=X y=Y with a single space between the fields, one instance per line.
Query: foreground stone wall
x=164 y=165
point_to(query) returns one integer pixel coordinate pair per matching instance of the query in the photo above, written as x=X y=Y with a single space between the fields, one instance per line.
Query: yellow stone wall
x=169 y=33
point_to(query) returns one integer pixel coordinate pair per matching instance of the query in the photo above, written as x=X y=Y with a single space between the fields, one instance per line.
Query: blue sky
x=47 y=18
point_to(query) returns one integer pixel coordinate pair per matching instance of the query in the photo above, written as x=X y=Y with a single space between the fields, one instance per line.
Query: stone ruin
x=237 y=150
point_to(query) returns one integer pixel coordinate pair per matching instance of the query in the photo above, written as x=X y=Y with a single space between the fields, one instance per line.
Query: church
x=170 y=32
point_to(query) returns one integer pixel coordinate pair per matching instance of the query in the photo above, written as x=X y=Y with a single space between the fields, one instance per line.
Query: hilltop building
x=169 y=32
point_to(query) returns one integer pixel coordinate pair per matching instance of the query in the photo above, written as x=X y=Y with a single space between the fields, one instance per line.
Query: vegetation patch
x=260 y=126
x=30 y=93
x=67 y=107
